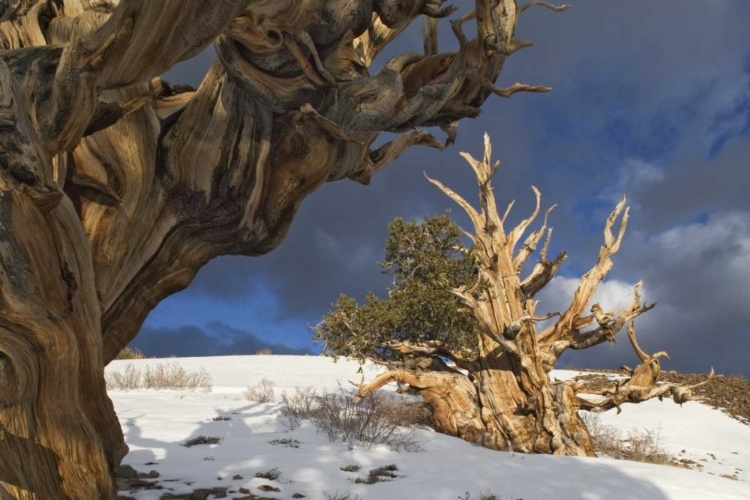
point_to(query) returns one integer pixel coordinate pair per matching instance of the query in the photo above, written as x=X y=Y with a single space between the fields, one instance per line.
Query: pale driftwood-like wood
x=502 y=396
x=116 y=187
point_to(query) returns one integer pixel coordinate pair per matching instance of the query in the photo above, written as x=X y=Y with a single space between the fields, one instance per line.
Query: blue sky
x=651 y=99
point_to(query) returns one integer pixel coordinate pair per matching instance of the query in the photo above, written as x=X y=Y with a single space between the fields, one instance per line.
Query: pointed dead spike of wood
x=634 y=342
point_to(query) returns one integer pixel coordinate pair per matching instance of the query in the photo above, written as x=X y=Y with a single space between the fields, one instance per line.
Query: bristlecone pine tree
x=116 y=187
x=458 y=328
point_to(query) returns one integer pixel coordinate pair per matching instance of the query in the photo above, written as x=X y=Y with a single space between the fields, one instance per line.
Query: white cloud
x=724 y=231
x=633 y=176
x=705 y=266
x=611 y=294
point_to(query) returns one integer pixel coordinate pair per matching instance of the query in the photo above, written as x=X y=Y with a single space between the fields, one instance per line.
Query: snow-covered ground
x=155 y=424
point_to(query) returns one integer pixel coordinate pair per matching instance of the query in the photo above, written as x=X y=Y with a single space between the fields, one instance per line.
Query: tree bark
x=116 y=187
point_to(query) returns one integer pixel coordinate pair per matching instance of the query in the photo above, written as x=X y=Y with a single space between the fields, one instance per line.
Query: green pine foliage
x=426 y=260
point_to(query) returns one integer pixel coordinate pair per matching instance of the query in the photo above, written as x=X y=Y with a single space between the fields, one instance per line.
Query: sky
x=649 y=99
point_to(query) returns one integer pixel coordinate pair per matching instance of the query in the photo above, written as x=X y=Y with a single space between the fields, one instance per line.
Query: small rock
x=244 y=490
x=126 y=472
x=268 y=487
x=237 y=477
x=298 y=495
x=152 y=474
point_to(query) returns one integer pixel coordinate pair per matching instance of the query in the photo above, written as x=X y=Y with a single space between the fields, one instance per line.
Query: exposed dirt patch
x=729 y=394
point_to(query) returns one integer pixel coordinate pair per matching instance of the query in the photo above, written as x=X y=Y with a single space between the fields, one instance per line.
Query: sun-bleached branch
x=590 y=281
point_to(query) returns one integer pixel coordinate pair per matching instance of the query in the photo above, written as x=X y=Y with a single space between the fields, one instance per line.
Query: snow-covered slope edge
x=155 y=423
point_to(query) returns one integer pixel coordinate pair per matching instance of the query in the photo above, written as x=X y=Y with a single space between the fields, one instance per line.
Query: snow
x=155 y=423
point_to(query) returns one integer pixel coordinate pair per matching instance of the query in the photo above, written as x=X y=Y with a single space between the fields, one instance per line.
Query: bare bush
x=266 y=351
x=341 y=496
x=130 y=353
x=262 y=392
x=128 y=380
x=161 y=376
x=380 y=475
x=297 y=406
x=271 y=475
x=289 y=443
x=637 y=446
x=174 y=376
x=199 y=440
x=377 y=419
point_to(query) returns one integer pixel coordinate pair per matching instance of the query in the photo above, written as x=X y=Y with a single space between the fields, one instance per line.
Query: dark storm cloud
x=215 y=339
x=650 y=98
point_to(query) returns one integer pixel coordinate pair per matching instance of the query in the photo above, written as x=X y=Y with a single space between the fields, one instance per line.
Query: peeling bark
x=116 y=187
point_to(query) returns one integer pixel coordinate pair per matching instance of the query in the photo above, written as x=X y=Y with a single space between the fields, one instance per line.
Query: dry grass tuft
x=379 y=475
x=271 y=475
x=130 y=353
x=128 y=380
x=201 y=440
x=262 y=392
x=637 y=445
x=289 y=443
x=174 y=376
x=161 y=376
x=341 y=496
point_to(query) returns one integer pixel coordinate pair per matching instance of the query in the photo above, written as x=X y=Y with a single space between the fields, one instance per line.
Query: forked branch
x=590 y=281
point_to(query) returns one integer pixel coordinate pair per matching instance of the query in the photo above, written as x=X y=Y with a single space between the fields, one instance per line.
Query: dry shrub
x=161 y=376
x=174 y=376
x=128 y=380
x=130 y=353
x=375 y=420
x=297 y=406
x=271 y=475
x=266 y=351
x=341 y=496
x=638 y=446
x=199 y=440
x=289 y=443
x=380 y=475
x=262 y=392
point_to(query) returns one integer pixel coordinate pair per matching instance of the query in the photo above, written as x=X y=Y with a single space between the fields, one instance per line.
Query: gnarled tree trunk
x=116 y=187
x=502 y=396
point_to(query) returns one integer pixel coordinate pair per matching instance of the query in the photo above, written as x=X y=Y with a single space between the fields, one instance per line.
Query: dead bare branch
x=541 y=3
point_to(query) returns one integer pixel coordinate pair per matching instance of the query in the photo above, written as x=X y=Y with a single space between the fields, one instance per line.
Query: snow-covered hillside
x=155 y=424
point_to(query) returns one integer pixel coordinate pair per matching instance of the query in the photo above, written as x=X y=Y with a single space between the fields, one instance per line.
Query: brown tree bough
x=116 y=187
x=502 y=395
